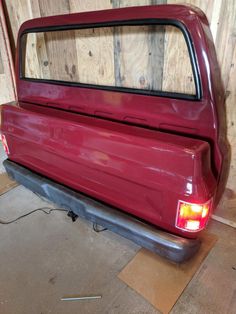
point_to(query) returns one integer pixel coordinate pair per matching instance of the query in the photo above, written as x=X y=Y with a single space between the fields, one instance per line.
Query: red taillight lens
x=4 y=143
x=192 y=217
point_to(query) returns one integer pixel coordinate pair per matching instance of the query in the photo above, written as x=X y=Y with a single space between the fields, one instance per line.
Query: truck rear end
x=114 y=126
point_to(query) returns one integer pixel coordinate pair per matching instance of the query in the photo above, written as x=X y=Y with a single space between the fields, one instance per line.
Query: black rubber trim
x=175 y=23
x=170 y=246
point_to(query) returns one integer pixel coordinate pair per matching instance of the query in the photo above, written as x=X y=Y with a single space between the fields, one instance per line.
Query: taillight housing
x=192 y=217
x=4 y=143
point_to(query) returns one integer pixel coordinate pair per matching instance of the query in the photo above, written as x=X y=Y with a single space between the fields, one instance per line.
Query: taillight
x=192 y=217
x=4 y=143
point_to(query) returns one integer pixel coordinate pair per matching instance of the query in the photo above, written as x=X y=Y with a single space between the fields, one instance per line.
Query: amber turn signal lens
x=192 y=217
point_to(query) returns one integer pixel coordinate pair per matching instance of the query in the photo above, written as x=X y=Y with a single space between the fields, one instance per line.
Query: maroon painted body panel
x=142 y=171
x=129 y=167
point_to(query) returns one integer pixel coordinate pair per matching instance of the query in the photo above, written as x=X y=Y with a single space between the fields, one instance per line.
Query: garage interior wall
x=221 y=16
x=7 y=83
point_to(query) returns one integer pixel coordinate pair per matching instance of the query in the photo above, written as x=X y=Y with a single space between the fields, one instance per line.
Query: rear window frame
x=138 y=22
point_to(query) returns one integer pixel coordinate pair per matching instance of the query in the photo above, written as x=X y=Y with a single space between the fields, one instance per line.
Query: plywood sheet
x=7 y=80
x=226 y=210
x=160 y=281
x=6 y=183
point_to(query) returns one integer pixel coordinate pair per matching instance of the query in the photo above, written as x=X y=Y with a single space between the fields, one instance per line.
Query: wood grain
x=176 y=62
x=6 y=184
x=1 y=65
x=95 y=56
x=7 y=79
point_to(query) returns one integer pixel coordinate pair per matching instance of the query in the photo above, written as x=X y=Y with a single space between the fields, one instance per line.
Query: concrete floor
x=44 y=257
x=2 y=157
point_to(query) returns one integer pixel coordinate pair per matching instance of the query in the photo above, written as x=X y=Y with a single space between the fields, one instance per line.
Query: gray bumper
x=173 y=247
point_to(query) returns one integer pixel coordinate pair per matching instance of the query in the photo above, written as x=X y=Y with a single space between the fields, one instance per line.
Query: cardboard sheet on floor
x=226 y=210
x=160 y=281
x=6 y=183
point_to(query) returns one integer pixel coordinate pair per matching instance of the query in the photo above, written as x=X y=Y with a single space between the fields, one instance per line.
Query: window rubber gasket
x=141 y=22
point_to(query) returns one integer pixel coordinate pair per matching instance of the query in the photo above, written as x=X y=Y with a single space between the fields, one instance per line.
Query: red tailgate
x=141 y=171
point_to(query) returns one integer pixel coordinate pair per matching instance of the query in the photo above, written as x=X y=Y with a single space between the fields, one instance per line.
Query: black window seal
x=141 y=22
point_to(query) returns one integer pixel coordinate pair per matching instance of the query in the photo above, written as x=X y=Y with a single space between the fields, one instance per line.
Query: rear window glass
x=148 y=58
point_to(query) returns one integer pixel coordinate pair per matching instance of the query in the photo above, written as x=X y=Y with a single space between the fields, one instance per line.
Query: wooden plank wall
x=7 y=83
x=221 y=15
x=130 y=56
